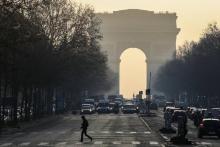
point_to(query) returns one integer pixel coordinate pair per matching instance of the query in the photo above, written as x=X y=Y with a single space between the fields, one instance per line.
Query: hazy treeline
x=48 y=48
x=194 y=71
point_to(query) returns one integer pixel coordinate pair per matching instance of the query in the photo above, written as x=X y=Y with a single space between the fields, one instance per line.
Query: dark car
x=114 y=108
x=153 y=106
x=209 y=127
x=168 y=104
x=86 y=109
x=129 y=108
x=178 y=113
x=103 y=107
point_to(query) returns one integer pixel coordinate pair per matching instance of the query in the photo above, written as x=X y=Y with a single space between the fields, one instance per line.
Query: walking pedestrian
x=84 y=127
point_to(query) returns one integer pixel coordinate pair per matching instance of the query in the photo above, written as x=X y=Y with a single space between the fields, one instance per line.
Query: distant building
x=153 y=33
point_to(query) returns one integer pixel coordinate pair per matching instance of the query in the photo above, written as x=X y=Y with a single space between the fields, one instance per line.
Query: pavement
x=108 y=130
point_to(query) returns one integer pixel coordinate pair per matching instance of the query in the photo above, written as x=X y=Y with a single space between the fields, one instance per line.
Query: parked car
x=86 y=109
x=209 y=127
x=129 y=108
x=103 y=107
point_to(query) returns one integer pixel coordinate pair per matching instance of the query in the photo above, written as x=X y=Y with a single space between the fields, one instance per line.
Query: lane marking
x=146 y=124
x=105 y=132
x=43 y=144
x=133 y=132
x=147 y=132
x=6 y=144
x=78 y=143
x=98 y=142
x=77 y=132
x=19 y=133
x=62 y=132
x=116 y=142
x=25 y=144
x=136 y=142
x=164 y=137
x=49 y=132
x=62 y=143
x=205 y=143
x=154 y=143
x=91 y=132
x=119 y=132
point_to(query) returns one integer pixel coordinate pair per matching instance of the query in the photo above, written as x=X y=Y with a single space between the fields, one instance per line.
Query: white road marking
x=98 y=142
x=145 y=124
x=116 y=142
x=92 y=132
x=77 y=132
x=79 y=143
x=62 y=132
x=135 y=142
x=49 y=132
x=6 y=144
x=154 y=143
x=105 y=132
x=205 y=143
x=43 y=143
x=25 y=144
x=147 y=132
x=133 y=132
x=62 y=143
x=164 y=137
x=19 y=133
x=119 y=132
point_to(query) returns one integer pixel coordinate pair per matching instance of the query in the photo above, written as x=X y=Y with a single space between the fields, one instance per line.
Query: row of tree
x=194 y=71
x=48 y=49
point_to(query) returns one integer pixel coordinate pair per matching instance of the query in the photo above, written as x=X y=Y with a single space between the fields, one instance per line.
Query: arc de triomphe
x=153 y=33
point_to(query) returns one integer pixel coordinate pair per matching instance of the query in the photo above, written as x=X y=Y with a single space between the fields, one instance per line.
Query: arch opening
x=132 y=73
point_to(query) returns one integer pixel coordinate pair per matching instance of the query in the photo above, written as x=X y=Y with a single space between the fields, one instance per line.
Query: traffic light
x=140 y=92
x=147 y=91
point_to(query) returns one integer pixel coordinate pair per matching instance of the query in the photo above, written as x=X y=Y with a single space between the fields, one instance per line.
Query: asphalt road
x=106 y=129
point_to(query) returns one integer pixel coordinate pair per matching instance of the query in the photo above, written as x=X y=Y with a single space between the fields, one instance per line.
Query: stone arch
x=154 y=33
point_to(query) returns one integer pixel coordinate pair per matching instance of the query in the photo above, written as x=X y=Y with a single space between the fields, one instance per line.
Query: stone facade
x=153 y=33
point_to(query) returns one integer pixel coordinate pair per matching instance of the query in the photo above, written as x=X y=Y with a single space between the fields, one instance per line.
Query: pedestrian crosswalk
x=57 y=144
x=98 y=142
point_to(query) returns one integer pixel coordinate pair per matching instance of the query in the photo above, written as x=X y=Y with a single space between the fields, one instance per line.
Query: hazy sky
x=132 y=77
x=193 y=15
x=193 y=18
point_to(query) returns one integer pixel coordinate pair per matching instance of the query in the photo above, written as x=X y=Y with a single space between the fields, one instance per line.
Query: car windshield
x=213 y=123
x=86 y=107
x=103 y=105
x=129 y=106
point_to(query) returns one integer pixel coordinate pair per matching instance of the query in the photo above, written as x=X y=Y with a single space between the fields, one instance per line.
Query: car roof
x=215 y=108
x=209 y=119
x=84 y=104
x=179 y=110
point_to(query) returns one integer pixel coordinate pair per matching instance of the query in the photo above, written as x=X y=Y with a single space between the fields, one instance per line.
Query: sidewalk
x=22 y=126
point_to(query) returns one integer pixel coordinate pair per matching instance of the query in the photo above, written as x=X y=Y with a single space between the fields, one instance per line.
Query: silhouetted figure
x=84 y=127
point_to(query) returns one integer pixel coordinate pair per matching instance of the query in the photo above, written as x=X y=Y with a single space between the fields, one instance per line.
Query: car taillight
x=201 y=125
